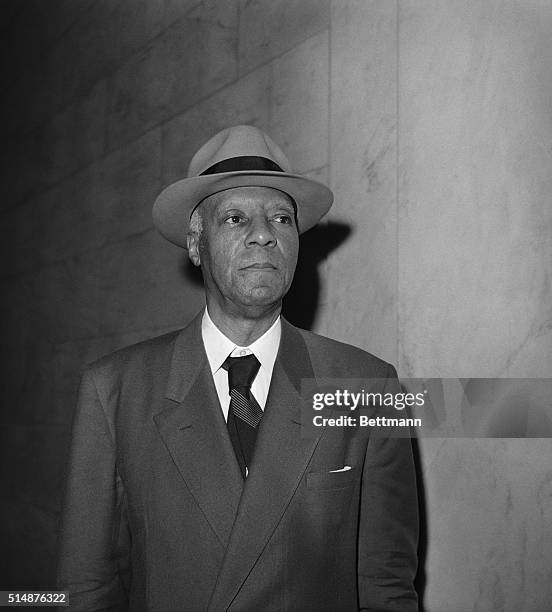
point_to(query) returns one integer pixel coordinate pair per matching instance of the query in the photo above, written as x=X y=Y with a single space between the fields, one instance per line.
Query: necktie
x=245 y=413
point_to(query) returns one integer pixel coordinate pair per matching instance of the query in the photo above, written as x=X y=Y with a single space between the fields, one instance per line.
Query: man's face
x=248 y=247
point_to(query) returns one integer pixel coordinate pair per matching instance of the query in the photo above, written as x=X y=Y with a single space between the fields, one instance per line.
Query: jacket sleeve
x=388 y=530
x=94 y=546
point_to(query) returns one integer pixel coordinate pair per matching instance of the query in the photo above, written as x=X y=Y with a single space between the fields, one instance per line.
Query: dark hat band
x=243 y=163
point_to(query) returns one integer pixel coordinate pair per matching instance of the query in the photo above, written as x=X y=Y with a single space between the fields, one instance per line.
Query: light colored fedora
x=239 y=156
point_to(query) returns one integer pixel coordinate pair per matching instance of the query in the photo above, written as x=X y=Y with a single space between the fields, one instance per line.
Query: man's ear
x=192 y=240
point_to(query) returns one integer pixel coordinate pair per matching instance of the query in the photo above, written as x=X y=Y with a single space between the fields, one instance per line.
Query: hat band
x=243 y=163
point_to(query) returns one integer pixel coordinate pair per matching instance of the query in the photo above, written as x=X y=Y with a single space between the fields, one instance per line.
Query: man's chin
x=262 y=297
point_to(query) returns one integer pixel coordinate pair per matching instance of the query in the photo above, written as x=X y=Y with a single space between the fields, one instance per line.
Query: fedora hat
x=239 y=156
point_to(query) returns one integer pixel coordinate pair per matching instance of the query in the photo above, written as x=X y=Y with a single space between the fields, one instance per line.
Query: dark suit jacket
x=157 y=516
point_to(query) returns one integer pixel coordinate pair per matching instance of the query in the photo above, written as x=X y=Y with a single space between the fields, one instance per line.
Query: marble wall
x=431 y=123
x=474 y=271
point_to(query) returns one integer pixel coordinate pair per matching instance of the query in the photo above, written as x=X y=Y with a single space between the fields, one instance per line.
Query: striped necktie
x=245 y=413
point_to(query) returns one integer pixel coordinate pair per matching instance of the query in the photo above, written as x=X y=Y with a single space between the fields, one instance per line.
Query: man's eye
x=283 y=219
x=232 y=219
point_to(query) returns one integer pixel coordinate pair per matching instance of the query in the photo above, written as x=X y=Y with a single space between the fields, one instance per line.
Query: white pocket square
x=345 y=468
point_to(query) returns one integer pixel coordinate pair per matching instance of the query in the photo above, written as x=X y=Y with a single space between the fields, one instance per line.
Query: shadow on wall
x=421 y=578
x=316 y=245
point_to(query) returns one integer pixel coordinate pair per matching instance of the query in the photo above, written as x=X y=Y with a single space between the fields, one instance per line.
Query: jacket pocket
x=331 y=480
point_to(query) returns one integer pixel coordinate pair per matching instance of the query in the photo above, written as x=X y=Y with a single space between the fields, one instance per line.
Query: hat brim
x=174 y=205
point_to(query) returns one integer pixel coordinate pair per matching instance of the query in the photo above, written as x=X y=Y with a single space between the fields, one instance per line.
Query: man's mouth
x=265 y=265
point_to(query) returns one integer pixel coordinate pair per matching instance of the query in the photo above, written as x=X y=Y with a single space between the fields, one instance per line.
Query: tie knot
x=241 y=370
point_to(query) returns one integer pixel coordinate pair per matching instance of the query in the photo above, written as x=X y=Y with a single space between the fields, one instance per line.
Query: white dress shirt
x=218 y=347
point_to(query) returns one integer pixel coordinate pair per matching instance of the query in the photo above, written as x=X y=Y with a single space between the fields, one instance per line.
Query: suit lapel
x=193 y=429
x=281 y=457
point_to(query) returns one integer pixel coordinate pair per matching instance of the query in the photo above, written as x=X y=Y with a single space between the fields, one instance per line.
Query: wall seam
x=397 y=187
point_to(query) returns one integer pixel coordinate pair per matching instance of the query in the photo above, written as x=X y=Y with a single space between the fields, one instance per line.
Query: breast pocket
x=327 y=480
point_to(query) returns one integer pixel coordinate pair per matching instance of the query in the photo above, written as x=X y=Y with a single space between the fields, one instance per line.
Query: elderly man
x=191 y=486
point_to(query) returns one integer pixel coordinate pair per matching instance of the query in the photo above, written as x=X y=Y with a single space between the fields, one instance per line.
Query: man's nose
x=260 y=233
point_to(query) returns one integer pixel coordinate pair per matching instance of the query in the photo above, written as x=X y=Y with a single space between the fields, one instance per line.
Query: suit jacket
x=157 y=516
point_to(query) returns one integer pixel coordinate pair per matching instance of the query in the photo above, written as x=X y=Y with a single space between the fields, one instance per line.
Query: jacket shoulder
x=336 y=358
x=142 y=354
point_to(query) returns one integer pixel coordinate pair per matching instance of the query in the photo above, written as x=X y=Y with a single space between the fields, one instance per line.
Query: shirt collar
x=218 y=346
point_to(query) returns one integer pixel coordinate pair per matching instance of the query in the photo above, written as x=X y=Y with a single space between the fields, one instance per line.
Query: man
x=191 y=486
